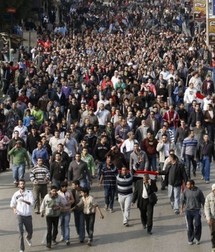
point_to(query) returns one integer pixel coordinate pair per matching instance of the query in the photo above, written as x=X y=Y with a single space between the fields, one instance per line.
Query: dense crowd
x=123 y=85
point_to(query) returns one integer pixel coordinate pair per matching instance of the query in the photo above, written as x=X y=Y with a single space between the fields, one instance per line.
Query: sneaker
x=54 y=242
x=190 y=243
x=149 y=232
x=67 y=243
x=207 y=182
x=106 y=208
x=177 y=212
x=61 y=238
x=28 y=241
x=194 y=174
x=111 y=210
x=202 y=178
x=89 y=243
x=126 y=224
x=21 y=251
x=197 y=242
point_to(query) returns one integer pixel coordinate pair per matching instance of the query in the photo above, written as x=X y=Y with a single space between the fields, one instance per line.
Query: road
x=169 y=231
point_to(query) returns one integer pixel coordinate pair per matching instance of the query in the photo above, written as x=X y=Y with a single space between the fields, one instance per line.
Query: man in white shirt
x=23 y=131
x=55 y=140
x=21 y=203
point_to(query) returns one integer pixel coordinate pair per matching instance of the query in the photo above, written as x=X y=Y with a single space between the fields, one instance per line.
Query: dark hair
x=192 y=182
x=53 y=187
x=22 y=180
x=76 y=182
x=64 y=183
x=85 y=190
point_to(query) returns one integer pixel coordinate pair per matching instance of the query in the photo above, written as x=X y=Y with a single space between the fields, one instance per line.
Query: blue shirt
x=39 y=153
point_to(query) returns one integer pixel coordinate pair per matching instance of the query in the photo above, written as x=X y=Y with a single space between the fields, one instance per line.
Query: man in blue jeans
x=108 y=177
x=20 y=156
x=191 y=201
x=65 y=214
x=206 y=154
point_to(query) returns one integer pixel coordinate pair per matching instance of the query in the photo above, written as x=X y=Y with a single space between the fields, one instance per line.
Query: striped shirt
x=40 y=174
x=109 y=176
x=124 y=184
x=189 y=146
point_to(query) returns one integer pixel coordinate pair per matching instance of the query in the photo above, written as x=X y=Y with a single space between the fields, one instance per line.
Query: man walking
x=210 y=214
x=19 y=155
x=143 y=194
x=176 y=175
x=21 y=203
x=124 y=188
x=78 y=170
x=108 y=177
x=188 y=153
x=68 y=200
x=206 y=154
x=191 y=201
x=40 y=176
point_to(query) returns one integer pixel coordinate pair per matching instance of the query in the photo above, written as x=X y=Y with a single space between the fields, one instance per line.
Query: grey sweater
x=193 y=199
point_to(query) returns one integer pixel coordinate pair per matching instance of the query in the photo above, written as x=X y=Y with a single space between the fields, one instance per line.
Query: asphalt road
x=169 y=231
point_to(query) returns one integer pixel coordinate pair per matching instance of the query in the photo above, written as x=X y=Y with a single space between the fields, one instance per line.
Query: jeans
x=125 y=205
x=206 y=167
x=194 y=224
x=52 y=228
x=18 y=171
x=64 y=224
x=56 y=183
x=109 y=195
x=80 y=224
x=152 y=162
x=188 y=160
x=90 y=220
x=25 y=221
x=174 y=196
x=84 y=183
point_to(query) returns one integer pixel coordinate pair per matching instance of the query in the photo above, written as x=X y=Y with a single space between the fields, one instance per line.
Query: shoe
x=106 y=208
x=177 y=212
x=21 y=251
x=67 y=243
x=149 y=232
x=81 y=241
x=61 y=238
x=126 y=224
x=16 y=183
x=89 y=243
x=144 y=226
x=207 y=182
x=190 y=243
x=194 y=174
x=197 y=242
x=111 y=210
x=48 y=245
x=202 y=178
x=54 y=242
x=28 y=241
x=37 y=212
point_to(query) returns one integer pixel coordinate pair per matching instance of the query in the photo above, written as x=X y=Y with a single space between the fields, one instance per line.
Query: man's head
x=78 y=157
x=40 y=161
x=63 y=186
x=21 y=184
x=190 y=184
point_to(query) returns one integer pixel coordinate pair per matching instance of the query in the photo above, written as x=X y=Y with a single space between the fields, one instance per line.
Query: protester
x=51 y=208
x=144 y=189
x=22 y=202
x=191 y=202
x=210 y=214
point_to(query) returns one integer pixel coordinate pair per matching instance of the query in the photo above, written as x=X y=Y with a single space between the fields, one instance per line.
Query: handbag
x=153 y=199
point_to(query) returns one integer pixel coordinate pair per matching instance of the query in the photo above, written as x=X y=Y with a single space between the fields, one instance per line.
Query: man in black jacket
x=143 y=191
x=176 y=175
x=58 y=171
x=206 y=154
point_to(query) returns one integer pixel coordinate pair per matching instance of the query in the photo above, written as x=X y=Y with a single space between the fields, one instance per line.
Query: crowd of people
x=119 y=87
